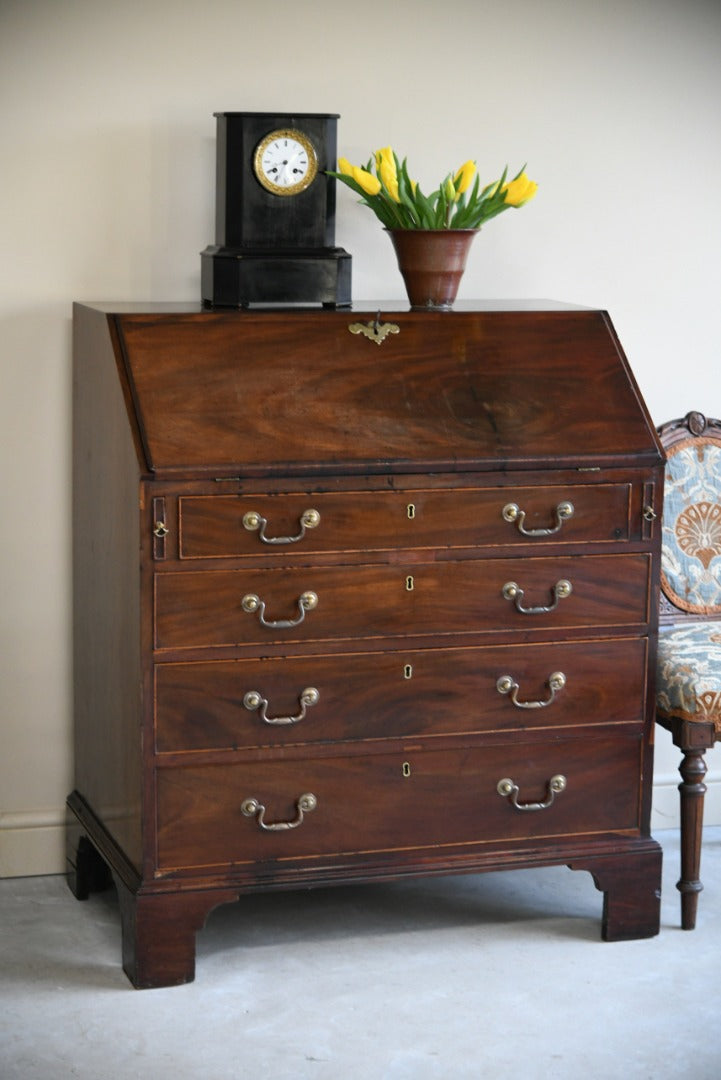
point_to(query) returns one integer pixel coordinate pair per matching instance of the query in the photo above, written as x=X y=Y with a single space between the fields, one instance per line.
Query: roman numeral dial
x=285 y=162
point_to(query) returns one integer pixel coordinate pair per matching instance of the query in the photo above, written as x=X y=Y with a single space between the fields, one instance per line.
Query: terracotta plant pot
x=432 y=262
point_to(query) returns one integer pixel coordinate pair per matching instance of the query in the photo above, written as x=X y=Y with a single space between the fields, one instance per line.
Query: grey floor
x=495 y=975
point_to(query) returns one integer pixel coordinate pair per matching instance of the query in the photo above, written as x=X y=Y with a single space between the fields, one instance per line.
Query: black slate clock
x=275 y=213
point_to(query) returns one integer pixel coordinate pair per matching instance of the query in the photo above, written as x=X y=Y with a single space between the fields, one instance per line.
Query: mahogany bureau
x=358 y=595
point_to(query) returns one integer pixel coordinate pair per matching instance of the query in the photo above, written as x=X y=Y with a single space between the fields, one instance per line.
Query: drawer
x=244 y=607
x=357 y=696
x=211 y=815
x=218 y=526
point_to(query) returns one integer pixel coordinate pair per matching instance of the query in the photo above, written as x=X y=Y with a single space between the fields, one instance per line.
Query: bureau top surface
x=308 y=391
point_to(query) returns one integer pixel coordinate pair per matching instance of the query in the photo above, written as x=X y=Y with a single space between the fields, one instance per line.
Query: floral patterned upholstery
x=689 y=672
x=689 y=655
x=691 y=563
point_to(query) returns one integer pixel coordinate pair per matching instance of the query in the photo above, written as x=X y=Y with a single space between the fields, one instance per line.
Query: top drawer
x=217 y=526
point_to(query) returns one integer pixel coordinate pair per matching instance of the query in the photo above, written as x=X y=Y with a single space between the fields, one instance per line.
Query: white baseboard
x=32 y=843
x=665 y=812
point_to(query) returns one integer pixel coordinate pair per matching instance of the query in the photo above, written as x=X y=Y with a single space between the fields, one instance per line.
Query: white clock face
x=285 y=162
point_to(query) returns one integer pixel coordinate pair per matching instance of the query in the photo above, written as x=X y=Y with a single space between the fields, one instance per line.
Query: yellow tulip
x=458 y=201
x=462 y=179
x=520 y=190
x=386 y=165
x=370 y=183
x=367 y=181
x=386 y=154
x=390 y=183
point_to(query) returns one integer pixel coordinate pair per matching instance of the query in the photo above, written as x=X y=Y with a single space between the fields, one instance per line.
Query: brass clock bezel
x=292 y=189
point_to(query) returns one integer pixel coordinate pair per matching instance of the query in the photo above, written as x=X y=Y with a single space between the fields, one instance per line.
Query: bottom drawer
x=212 y=815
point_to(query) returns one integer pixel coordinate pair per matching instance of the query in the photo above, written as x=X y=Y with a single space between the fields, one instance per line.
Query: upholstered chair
x=688 y=690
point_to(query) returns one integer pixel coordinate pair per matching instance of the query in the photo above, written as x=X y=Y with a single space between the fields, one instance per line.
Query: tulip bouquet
x=459 y=202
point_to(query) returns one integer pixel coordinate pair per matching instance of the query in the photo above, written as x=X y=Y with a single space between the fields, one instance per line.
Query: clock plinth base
x=240 y=277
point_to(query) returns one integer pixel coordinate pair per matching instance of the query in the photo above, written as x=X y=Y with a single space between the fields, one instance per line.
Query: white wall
x=107 y=180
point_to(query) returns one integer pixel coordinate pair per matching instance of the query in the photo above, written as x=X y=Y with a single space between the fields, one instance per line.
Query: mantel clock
x=275 y=213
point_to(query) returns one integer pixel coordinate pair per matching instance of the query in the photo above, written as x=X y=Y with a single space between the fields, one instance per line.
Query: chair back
x=691 y=555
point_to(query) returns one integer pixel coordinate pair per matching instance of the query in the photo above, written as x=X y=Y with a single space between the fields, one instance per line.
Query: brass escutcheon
x=375 y=331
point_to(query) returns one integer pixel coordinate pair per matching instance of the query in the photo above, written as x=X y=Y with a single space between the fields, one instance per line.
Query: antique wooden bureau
x=358 y=595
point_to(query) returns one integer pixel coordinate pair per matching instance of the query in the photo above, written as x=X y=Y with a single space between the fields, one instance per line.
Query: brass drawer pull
x=252 y=603
x=507 y=685
x=253 y=808
x=160 y=529
x=255 y=522
x=514 y=592
x=508 y=789
x=254 y=700
x=512 y=512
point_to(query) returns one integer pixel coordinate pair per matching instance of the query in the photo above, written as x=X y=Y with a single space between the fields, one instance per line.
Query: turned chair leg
x=692 y=789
